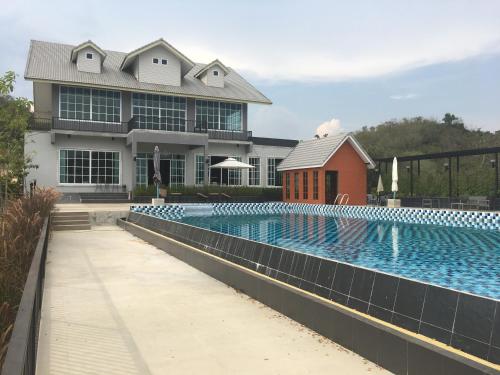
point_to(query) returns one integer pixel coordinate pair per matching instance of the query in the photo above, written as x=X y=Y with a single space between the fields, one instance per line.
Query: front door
x=331 y=188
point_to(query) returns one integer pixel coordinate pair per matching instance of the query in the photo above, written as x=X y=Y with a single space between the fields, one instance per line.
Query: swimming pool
x=464 y=259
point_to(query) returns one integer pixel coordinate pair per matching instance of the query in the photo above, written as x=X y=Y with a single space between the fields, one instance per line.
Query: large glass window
x=287 y=186
x=305 y=185
x=254 y=173
x=274 y=178
x=159 y=112
x=218 y=115
x=176 y=169
x=296 y=185
x=78 y=103
x=234 y=175
x=315 y=185
x=200 y=170
x=85 y=167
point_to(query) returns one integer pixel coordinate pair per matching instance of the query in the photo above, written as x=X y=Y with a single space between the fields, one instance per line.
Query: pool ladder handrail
x=342 y=196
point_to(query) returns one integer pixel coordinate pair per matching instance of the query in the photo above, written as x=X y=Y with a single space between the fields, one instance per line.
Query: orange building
x=321 y=170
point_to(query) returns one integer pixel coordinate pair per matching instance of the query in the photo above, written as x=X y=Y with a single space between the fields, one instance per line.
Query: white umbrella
x=231 y=163
x=157 y=174
x=394 y=186
x=380 y=185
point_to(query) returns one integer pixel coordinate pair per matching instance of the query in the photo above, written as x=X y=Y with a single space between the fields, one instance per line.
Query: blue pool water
x=464 y=259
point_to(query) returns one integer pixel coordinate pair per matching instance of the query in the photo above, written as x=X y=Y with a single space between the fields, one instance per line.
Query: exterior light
x=493 y=163
x=446 y=166
x=408 y=168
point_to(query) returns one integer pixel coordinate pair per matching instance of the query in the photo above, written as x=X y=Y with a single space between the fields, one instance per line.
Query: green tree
x=14 y=118
x=450 y=119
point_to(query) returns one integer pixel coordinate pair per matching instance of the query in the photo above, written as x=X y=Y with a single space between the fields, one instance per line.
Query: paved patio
x=114 y=304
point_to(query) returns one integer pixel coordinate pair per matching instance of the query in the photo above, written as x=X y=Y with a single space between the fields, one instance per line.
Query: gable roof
x=49 y=62
x=88 y=43
x=186 y=63
x=216 y=62
x=314 y=153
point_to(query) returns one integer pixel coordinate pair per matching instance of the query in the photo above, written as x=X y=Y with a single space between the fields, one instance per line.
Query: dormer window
x=89 y=56
x=164 y=61
x=155 y=60
x=216 y=73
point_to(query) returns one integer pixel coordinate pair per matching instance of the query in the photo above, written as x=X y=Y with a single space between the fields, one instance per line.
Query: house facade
x=98 y=115
x=334 y=173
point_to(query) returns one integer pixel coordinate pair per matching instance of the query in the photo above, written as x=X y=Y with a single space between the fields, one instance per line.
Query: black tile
x=286 y=261
x=338 y=297
x=362 y=284
x=307 y=285
x=380 y=313
x=326 y=273
x=311 y=269
x=405 y=322
x=435 y=333
x=320 y=291
x=392 y=353
x=274 y=260
x=494 y=356
x=357 y=305
x=439 y=307
x=343 y=278
x=292 y=280
x=298 y=265
x=265 y=254
x=282 y=276
x=257 y=254
x=470 y=346
x=384 y=291
x=474 y=317
x=410 y=298
x=495 y=337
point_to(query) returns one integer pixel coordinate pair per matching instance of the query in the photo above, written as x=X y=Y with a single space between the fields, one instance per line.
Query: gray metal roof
x=52 y=62
x=314 y=153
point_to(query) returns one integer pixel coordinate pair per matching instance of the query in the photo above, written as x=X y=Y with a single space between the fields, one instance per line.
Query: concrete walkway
x=114 y=304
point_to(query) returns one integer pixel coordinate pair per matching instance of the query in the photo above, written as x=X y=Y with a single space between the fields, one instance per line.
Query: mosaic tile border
x=466 y=322
x=455 y=218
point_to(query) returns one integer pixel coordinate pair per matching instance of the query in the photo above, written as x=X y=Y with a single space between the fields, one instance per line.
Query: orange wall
x=351 y=171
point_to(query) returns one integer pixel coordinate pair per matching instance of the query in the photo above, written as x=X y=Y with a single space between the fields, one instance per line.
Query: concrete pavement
x=114 y=304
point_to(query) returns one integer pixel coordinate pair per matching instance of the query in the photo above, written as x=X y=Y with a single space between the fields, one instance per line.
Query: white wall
x=169 y=74
x=209 y=79
x=86 y=65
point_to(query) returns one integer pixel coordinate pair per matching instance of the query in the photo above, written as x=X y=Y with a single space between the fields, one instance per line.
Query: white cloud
x=403 y=96
x=330 y=127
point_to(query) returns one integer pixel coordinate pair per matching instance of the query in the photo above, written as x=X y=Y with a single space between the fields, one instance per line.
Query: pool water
x=464 y=259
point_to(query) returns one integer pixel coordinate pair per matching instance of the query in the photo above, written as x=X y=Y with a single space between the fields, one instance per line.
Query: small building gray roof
x=52 y=62
x=314 y=153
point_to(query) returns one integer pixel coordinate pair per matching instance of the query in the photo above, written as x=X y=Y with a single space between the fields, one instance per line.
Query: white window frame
x=267 y=172
x=218 y=116
x=260 y=170
x=157 y=60
x=58 y=177
x=87 y=54
x=166 y=61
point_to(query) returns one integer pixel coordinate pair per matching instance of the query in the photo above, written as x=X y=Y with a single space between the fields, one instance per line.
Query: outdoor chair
x=478 y=203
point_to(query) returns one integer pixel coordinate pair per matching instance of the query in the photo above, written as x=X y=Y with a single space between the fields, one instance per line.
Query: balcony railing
x=186 y=126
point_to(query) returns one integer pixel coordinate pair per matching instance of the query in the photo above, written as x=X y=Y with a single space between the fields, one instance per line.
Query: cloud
x=330 y=127
x=404 y=96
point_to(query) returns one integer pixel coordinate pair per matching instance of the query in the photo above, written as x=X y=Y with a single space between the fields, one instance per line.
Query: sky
x=326 y=65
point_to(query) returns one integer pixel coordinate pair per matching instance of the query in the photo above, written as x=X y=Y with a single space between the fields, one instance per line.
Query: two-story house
x=99 y=114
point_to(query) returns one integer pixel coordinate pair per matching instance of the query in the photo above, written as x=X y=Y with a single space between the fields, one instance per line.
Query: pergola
x=450 y=155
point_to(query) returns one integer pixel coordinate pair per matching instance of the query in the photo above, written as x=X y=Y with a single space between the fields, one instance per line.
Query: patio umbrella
x=394 y=186
x=231 y=163
x=380 y=185
x=157 y=175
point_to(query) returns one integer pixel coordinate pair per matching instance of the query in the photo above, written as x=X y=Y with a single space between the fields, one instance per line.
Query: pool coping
x=289 y=299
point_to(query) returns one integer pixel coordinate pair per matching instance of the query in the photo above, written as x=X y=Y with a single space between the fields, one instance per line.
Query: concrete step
x=71 y=227
x=59 y=221
x=69 y=214
x=104 y=200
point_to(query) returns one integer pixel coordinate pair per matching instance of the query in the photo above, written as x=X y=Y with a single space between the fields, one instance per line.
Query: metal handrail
x=337 y=197
x=342 y=199
x=22 y=347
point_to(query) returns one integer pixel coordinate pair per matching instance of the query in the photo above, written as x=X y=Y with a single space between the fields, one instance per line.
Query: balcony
x=186 y=126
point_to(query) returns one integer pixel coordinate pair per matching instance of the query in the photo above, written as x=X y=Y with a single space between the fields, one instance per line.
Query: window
x=296 y=185
x=200 y=170
x=234 y=175
x=287 y=186
x=218 y=115
x=315 y=185
x=274 y=178
x=254 y=173
x=89 y=56
x=80 y=103
x=216 y=73
x=305 y=185
x=177 y=169
x=159 y=112
x=164 y=61
x=89 y=167
x=155 y=60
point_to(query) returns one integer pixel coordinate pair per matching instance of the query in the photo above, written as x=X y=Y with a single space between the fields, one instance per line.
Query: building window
x=296 y=185
x=144 y=176
x=89 y=167
x=78 y=103
x=305 y=185
x=234 y=175
x=287 y=186
x=218 y=115
x=216 y=73
x=141 y=171
x=200 y=170
x=177 y=170
x=159 y=112
x=315 y=185
x=164 y=61
x=274 y=178
x=89 y=56
x=155 y=60
x=254 y=173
